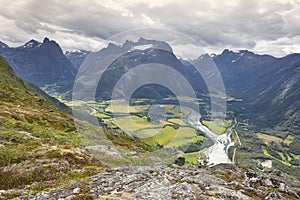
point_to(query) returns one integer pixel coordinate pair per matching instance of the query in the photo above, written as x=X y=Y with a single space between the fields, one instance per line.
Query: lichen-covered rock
x=274 y=196
x=185 y=182
x=180 y=161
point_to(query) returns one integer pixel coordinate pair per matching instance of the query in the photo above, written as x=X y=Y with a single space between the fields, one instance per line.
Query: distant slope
x=269 y=115
x=279 y=105
x=269 y=87
x=244 y=73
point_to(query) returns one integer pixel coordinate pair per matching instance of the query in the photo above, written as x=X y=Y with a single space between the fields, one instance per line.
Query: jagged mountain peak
x=112 y=45
x=40 y=63
x=52 y=44
x=241 y=53
x=237 y=52
x=36 y=44
x=202 y=56
x=142 y=40
x=142 y=44
x=31 y=44
x=46 y=40
x=155 y=44
x=228 y=54
x=77 y=56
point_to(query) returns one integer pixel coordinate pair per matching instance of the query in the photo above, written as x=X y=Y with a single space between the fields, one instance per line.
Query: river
x=218 y=152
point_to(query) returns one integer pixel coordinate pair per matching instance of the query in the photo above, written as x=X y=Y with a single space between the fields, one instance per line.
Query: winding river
x=218 y=152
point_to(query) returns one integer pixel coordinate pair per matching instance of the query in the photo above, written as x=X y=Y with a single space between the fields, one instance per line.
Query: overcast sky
x=264 y=26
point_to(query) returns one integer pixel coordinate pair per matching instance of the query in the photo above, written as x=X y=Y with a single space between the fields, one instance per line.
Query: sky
x=264 y=26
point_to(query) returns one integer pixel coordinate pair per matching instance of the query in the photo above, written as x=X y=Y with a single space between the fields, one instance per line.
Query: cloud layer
x=265 y=26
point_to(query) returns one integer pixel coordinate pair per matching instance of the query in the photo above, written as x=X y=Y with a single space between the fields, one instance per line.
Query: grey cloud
x=217 y=24
x=235 y=24
x=292 y=22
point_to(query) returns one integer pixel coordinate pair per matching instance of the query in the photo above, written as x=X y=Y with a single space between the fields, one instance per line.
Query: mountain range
x=40 y=63
x=262 y=81
x=267 y=88
x=263 y=94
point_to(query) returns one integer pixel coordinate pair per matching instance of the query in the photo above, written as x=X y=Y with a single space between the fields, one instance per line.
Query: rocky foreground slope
x=187 y=182
x=40 y=147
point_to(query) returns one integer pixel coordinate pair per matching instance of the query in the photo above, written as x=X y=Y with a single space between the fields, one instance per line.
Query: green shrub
x=12 y=155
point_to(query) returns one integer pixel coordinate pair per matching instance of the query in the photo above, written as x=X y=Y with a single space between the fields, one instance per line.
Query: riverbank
x=218 y=152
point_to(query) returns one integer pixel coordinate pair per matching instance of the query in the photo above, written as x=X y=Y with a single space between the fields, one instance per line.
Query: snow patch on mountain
x=143 y=47
x=78 y=52
x=239 y=57
x=32 y=44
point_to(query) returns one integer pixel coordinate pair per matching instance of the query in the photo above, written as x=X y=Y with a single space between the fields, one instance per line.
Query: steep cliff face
x=269 y=87
x=39 y=63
